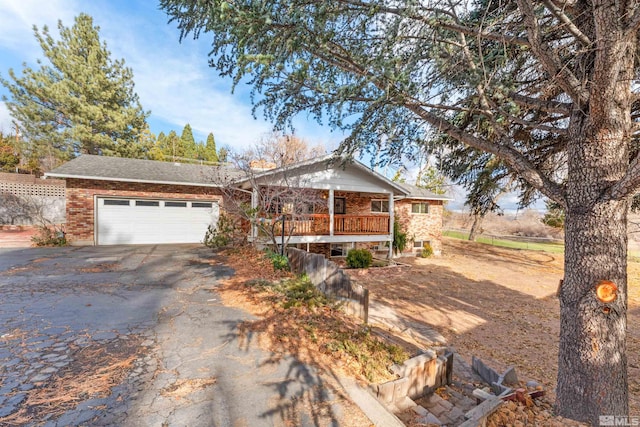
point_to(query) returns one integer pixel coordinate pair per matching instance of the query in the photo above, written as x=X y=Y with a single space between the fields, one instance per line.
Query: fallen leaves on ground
x=94 y=371
x=495 y=303
x=517 y=414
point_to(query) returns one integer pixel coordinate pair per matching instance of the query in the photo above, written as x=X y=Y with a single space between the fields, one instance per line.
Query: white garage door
x=139 y=221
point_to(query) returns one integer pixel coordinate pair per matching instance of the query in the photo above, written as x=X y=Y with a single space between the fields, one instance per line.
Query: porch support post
x=254 y=204
x=391 y=221
x=331 y=212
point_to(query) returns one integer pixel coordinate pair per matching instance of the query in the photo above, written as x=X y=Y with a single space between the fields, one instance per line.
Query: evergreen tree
x=210 y=154
x=80 y=101
x=188 y=149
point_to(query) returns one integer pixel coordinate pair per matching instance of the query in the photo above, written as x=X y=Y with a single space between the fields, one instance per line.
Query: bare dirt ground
x=497 y=304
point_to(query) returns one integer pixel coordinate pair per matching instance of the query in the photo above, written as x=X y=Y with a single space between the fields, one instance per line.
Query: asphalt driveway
x=137 y=336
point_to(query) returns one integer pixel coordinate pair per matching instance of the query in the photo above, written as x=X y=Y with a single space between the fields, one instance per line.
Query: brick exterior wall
x=81 y=192
x=357 y=204
x=421 y=227
x=81 y=195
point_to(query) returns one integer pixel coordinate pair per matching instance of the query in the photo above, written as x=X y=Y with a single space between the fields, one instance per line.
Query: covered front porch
x=323 y=202
x=338 y=217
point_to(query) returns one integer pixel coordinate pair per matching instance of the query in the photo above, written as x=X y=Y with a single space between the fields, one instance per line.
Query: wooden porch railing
x=318 y=224
x=309 y=225
x=360 y=224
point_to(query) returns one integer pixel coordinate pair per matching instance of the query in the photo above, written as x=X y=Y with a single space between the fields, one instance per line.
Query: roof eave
x=409 y=196
x=143 y=181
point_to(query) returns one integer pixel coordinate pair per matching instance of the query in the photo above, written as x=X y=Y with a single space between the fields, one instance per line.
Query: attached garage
x=142 y=221
x=113 y=200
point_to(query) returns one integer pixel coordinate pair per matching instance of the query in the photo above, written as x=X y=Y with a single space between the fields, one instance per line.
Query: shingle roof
x=106 y=168
x=415 y=192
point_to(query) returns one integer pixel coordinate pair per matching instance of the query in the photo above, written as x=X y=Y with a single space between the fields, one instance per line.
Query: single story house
x=328 y=207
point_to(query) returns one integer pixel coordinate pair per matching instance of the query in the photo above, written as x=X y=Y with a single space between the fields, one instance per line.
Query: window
x=175 y=204
x=417 y=244
x=147 y=203
x=111 y=202
x=339 y=205
x=380 y=246
x=381 y=206
x=420 y=208
x=306 y=208
x=201 y=204
x=338 y=249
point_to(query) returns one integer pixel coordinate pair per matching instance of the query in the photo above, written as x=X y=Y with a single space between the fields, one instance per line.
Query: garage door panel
x=135 y=223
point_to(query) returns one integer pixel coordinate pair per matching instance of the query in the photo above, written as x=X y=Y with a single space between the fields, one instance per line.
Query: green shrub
x=49 y=236
x=427 y=250
x=359 y=258
x=280 y=262
x=399 y=238
x=299 y=292
x=220 y=235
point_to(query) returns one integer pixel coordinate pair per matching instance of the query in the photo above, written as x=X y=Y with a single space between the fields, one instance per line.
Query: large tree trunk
x=592 y=364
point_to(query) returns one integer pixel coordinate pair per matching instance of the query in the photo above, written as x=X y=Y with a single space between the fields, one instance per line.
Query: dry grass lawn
x=495 y=303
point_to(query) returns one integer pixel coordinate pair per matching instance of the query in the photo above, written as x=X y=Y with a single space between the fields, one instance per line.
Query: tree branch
x=571 y=27
x=555 y=107
x=549 y=59
x=633 y=25
x=407 y=13
x=514 y=159
x=628 y=185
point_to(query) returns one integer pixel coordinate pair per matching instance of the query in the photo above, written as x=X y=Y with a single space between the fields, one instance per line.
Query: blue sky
x=172 y=79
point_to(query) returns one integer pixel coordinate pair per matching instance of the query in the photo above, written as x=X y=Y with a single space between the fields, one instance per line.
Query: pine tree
x=210 y=154
x=79 y=100
x=189 y=149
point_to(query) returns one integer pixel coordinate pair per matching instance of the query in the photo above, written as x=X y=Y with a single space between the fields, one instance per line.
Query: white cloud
x=5 y=119
x=174 y=81
x=17 y=19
